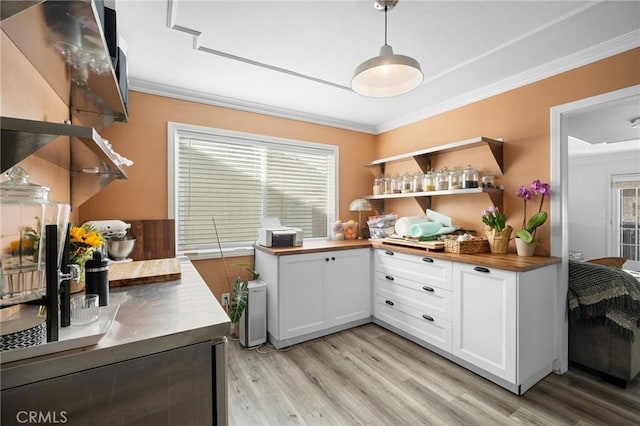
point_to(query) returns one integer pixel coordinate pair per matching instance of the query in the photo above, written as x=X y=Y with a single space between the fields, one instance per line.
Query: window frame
x=175 y=130
x=614 y=225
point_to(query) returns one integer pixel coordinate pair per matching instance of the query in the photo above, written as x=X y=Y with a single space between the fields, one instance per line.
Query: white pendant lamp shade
x=386 y=75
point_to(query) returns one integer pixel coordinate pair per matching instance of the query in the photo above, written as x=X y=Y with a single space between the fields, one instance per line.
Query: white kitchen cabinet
x=315 y=294
x=495 y=322
x=484 y=309
x=413 y=294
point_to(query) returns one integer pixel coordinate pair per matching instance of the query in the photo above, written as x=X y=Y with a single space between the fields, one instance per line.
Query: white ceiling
x=296 y=58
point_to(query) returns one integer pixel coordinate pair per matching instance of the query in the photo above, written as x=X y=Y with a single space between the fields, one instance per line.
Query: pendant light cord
x=385 y=24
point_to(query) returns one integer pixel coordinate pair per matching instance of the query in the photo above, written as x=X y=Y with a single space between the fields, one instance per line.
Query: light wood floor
x=370 y=376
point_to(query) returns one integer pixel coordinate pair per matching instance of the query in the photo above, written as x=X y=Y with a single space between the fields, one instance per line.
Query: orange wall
x=522 y=118
x=144 y=140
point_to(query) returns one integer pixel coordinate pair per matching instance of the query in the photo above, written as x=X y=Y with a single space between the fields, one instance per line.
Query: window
x=223 y=183
x=627 y=218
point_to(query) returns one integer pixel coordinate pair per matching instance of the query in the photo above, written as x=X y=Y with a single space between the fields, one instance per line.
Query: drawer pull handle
x=427 y=317
x=389 y=252
x=481 y=269
x=389 y=277
x=427 y=259
x=388 y=302
x=333 y=258
x=326 y=259
x=425 y=288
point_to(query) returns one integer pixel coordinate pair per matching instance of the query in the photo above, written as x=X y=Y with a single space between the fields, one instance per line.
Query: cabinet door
x=484 y=318
x=301 y=294
x=348 y=286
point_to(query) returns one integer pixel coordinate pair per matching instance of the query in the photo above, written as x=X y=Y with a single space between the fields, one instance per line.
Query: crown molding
x=592 y=54
x=174 y=92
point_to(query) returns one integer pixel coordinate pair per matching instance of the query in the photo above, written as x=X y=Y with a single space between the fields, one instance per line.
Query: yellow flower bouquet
x=84 y=241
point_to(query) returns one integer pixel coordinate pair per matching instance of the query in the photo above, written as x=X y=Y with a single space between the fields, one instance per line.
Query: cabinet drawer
x=430 y=300
x=421 y=269
x=429 y=328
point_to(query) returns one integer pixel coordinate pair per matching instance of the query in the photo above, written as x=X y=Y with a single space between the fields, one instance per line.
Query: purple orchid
x=541 y=188
x=524 y=192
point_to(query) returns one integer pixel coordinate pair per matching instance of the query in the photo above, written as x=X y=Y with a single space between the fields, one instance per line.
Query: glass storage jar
x=388 y=185
x=469 y=178
x=442 y=180
x=24 y=212
x=407 y=183
x=396 y=186
x=488 y=181
x=455 y=179
x=378 y=186
x=417 y=182
x=428 y=181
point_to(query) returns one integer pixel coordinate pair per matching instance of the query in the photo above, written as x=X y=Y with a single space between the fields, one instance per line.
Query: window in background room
x=236 y=179
x=626 y=192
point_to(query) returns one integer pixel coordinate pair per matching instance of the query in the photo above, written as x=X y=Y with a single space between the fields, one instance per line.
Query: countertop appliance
x=273 y=234
x=115 y=230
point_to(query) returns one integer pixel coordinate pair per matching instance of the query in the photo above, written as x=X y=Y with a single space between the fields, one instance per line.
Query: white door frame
x=559 y=204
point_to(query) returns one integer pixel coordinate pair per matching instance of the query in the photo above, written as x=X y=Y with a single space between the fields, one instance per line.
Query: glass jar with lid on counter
x=488 y=181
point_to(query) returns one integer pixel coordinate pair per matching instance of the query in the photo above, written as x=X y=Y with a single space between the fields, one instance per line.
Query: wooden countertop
x=508 y=261
x=314 y=246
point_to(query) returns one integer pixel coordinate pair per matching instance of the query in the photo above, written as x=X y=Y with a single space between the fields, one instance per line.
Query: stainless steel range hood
x=79 y=149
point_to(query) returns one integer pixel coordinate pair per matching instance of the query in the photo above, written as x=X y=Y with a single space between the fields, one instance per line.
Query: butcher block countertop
x=144 y=272
x=508 y=261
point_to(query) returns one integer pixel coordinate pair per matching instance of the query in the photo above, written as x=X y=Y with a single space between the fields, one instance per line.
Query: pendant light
x=387 y=74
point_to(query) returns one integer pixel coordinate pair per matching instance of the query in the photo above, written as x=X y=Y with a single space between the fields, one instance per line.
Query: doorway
x=560 y=119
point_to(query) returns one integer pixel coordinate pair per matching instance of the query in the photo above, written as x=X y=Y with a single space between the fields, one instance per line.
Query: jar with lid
x=417 y=182
x=378 y=186
x=469 y=178
x=407 y=183
x=387 y=185
x=442 y=180
x=428 y=181
x=488 y=181
x=396 y=184
x=24 y=211
x=455 y=179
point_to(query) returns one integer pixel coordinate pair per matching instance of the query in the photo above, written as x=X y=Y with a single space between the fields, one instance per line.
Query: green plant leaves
x=535 y=221
x=524 y=235
x=239 y=299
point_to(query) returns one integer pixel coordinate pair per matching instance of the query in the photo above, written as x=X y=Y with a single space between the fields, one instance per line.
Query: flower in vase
x=84 y=240
x=529 y=228
x=494 y=218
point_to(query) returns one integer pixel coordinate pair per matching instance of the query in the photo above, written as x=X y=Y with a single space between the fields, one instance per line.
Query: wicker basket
x=452 y=245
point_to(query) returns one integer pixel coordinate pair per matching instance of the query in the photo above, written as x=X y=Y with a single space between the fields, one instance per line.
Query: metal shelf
x=65 y=43
x=79 y=149
x=422 y=156
x=423 y=197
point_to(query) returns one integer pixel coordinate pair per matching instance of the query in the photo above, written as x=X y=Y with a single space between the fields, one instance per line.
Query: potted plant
x=239 y=295
x=526 y=237
x=496 y=229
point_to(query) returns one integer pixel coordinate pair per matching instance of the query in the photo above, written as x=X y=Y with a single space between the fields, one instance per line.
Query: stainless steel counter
x=152 y=318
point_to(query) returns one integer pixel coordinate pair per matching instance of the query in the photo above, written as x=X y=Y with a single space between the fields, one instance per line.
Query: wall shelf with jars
x=422 y=186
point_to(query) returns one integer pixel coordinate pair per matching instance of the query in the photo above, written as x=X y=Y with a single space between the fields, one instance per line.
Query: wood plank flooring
x=370 y=376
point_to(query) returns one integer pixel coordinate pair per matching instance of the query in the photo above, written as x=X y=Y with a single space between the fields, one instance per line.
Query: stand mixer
x=117 y=245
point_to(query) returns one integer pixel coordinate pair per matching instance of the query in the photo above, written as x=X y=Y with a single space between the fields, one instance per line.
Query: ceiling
x=295 y=59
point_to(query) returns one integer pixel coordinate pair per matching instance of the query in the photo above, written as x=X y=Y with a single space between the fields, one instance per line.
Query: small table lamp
x=360 y=205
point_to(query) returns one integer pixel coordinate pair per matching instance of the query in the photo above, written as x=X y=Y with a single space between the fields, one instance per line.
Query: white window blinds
x=237 y=179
